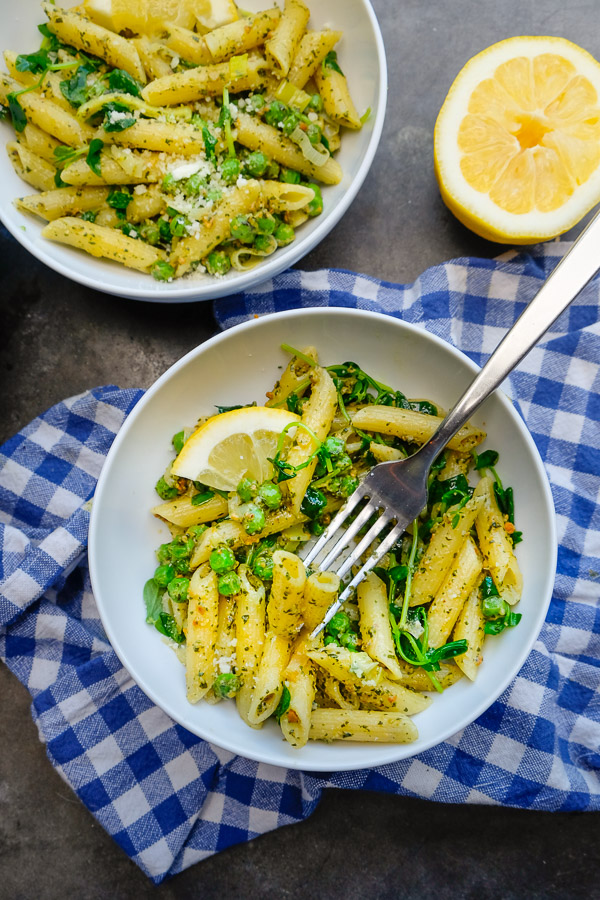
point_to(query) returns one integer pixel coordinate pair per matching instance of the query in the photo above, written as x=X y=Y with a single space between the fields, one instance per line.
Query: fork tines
x=384 y=519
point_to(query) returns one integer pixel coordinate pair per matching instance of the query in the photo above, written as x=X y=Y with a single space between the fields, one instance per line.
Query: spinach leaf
x=330 y=62
x=283 y=705
x=123 y=120
x=153 y=593
x=119 y=80
x=450 y=491
x=198 y=499
x=495 y=626
x=210 y=142
x=75 y=89
x=486 y=460
x=93 y=156
x=166 y=625
x=17 y=113
x=33 y=62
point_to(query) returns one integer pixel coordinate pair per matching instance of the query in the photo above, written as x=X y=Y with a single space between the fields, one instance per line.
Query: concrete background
x=59 y=338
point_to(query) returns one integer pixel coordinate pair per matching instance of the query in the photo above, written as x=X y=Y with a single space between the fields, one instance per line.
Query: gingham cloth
x=170 y=799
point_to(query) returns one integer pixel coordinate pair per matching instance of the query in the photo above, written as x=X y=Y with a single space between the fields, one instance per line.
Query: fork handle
x=565 y=282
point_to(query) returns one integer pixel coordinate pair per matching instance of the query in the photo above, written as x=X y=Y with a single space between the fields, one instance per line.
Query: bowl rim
x=397 y=752
x=196 y=292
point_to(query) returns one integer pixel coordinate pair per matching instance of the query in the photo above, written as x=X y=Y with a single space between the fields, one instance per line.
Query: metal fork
x=398 y=490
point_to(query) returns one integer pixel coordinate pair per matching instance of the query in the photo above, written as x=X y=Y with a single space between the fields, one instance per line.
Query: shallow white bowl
x=238 y=367
x=362 y=57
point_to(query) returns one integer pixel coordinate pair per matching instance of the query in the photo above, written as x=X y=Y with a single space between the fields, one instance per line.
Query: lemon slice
x=517 y=141
x=233 y=445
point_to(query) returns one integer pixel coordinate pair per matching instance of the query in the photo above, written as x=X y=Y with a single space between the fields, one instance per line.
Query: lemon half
x=233 y=445
x=517 y=141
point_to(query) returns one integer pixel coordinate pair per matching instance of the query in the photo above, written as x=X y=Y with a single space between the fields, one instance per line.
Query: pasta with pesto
x=218 y=118
x=247 y=489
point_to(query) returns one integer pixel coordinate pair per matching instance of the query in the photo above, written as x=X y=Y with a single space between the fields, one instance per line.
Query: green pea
x=329 y=639
x=275 y=113
x=222 y=560
x=230 y=170
x=315 y=207
x=314 y=133
x=257 y=101
x=263 y=567
x=162 y=271
x=150 y=232
x=343 y=461
x=339 y=623
x=348 y=485
x=169 y=185
x=284 y=234
x=164 y=490
x=266 y=224
x=226 y=685
x=254 y=519
x=247 y=489
x=349 y=640
x=241 y=229
x=264 y=243
x=494 y=607
x=218 y=263
x=272 y=170
x=315 y=103
x=179 y=225
x=317 y=528
x=194 y=531
x=256 y=163
x=193 y=185
x=291 y=122
x=178 y=589
x=163 y=554
x=229 y=584
x=289 y=176
x=270 y=494
x=333 y=445
x=164 y=228
x=178 y=440
x=164 y=574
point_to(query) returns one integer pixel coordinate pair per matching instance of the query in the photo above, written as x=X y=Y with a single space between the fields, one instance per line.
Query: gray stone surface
x=60 y=338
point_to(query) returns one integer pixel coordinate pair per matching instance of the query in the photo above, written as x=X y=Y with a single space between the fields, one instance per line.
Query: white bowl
x=362 y=57
x=238 y=367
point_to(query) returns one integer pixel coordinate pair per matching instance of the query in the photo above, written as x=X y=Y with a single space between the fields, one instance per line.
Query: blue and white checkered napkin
x=170 y=799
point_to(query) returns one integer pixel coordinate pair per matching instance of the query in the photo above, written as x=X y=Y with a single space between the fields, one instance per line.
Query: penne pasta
x=312 y=49
x=256 y=135
x=250 y=628
x=409 y=425
x=31 y=168
x=496 y=545
x=470 y=627
x=268 y=685
x=375 y=625
x=203 y=81
x=74 y=29
x=317 y=417
x=53 y=204
x=287 y=594
x=240 y=36
x=299 y=679
x=361 y=725
x=182 y=511
x=202 y=626
x=464 y=574
x=281 y=47
x=105 y=242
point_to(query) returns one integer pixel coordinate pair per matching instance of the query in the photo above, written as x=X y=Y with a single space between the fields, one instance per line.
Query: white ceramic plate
x=238 y=367
x=362 y=57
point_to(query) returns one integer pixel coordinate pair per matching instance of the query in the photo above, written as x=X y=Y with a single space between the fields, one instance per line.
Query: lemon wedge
x=140 y=16
x=517 y=140
x=232 y=445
